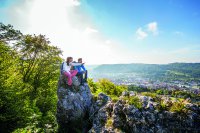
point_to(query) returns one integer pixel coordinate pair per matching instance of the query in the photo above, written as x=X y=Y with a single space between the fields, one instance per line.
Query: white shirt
x=67 y=68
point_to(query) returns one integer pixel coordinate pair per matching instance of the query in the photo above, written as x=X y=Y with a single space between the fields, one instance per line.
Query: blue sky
x=119 y=19
x=143 y=31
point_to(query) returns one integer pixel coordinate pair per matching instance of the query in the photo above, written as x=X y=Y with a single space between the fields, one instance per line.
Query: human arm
x=83 y=67
x=76 y=64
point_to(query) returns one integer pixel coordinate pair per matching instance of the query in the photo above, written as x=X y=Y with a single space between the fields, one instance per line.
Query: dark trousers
x=82 y=76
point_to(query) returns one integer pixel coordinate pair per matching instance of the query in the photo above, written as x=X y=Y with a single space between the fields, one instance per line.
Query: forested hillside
x=166 y=72
x=29 y=70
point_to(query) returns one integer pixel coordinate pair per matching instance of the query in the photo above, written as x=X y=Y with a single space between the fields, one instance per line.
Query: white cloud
x=141 y=34
x=90 y=30
x=150 y=28
x=66 y=26
x=75 y=2
x=153 y=27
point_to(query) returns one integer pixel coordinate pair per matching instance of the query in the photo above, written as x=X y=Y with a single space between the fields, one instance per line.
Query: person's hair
x=68 y=59
x=79 y=59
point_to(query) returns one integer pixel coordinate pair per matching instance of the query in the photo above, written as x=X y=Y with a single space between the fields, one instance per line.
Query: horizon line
x=147 y=63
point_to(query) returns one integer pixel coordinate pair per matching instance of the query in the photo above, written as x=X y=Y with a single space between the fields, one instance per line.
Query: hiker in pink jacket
x=66 y=69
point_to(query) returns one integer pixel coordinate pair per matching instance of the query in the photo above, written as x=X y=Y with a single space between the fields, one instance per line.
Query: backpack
x=61 y=68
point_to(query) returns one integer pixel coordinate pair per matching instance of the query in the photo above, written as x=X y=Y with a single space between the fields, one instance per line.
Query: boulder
x=73 y=105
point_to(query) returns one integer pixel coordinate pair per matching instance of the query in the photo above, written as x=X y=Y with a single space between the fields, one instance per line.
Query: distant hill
x=175 y=71
x=91 y=67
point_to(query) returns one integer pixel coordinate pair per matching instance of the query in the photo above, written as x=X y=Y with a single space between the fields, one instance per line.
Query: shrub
x=162 y=106
x=114 y=98
x=93 y=85
x=184 y=94
x=177 y=107
x=133 y=100
x=150 y=94
x=107 y=87
x=160 y=92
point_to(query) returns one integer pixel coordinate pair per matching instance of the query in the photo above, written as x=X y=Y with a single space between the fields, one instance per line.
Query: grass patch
x=150 y=94
x=114 y=98
x=134 y=100
x=109 y=122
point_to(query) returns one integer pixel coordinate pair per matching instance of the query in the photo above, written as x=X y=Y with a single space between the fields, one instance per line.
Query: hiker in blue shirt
x=81 y=71
x=80 y=68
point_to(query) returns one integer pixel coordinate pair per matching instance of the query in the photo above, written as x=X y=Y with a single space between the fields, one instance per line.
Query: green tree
x=14 y=105
x=39 y=65
x=28 y=81
x=7 y=33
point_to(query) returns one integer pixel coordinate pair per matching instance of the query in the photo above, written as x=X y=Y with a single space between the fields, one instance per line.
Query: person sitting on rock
x=81 y=71
x=66 y=69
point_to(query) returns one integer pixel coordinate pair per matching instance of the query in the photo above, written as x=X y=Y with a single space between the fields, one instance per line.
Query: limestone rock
x=73 y=105
x=78 y=109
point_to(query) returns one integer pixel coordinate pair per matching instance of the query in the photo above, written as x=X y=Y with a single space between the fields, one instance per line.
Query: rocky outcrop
x=79 y=111
x=123 y=117
x=99 y=112
x=73 y=105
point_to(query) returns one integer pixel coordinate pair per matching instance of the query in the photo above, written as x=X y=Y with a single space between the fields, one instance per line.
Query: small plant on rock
x=109 y=122
x=177 y=107
x=134 y=101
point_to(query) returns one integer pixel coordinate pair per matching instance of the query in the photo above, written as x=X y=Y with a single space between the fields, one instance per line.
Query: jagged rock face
x=73 y=103
x=99 y=111
x=77 y=108
x=122 y=117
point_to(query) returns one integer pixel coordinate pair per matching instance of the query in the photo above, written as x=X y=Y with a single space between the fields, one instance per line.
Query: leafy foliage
x=150 y=94
x=177 y=107
x=107 y=87
x=7 y=33
x=28 y=80
x=134 y=100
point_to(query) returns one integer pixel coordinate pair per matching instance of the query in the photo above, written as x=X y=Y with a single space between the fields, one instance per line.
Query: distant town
x=134 y=79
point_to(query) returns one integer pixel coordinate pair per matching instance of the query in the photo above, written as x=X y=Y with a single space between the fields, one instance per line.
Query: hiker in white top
x=66 y=69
